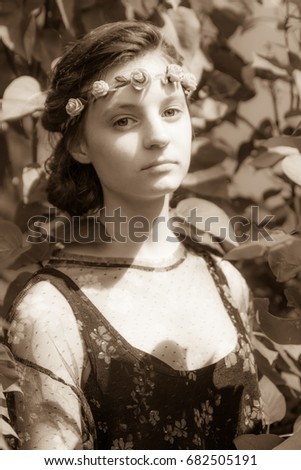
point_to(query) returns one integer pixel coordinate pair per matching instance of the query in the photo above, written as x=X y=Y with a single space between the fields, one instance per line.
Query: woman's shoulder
x=234 y=280
x=43 y=329
x=40 y=310
x=38 y=298
x=237 y=284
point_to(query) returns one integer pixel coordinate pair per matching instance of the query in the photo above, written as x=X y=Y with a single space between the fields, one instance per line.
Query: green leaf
x=209 y=109
x=264 y=368
x=292 y=443
x=205 y=155
x=4 y=325
x=23 y=96
x=227 y=20
x=3 y=406
x=38 y=252
x=285 y=258
x=293 y=113
x=278 y=329
x=206 y=217
x=273 y=401
x=67 y=10
x=14 y=288
x=3 y=443
x=8 y=373
x=6 y=429
x=250 y=183
x=257 y=442
x=187 y=27
x=221 y=85
x=11 y=243
x=25 y=212
x=49 y=46
x=297 y=78
x=267 y=159
x=11 y=15
x=270 y=65
x=216 y=187
x=274 y=61
x=295 y=60
x=248 y=250
x=29 y=37
x=292 y=119
x=100 y=12
x=34 y=184
x=227 y=60
x=281 y=141
x=143 y=9
x=293 y=295
x=291 y=166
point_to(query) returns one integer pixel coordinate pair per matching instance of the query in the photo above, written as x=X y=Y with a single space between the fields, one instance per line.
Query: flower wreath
x=138 y=79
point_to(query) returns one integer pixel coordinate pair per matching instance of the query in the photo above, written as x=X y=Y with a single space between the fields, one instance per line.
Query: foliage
x=8 y=384
x=246 y=158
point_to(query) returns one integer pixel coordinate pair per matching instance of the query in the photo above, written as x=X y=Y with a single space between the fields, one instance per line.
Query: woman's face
x=139 y=142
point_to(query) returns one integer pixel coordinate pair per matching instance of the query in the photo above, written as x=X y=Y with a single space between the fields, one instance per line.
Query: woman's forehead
x=153 y=66
x=126 y=98
x=156 y=92
x=153 y=62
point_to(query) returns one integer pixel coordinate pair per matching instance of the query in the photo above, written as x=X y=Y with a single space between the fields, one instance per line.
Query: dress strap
x=221 y=283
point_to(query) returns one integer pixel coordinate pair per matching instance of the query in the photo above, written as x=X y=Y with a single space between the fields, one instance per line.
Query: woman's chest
x=177 y=316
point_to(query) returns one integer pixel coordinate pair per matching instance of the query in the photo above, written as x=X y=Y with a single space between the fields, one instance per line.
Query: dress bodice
x=138 y=401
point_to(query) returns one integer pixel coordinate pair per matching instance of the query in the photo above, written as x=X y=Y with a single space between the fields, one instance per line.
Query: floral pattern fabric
x=138 y=401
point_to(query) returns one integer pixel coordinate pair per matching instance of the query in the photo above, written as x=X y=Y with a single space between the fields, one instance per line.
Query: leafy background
x=246 y=153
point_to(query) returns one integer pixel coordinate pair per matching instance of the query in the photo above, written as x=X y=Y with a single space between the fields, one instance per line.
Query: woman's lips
x=160 y=165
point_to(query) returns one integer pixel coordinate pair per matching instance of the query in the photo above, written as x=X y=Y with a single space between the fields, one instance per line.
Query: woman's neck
x=142 y=230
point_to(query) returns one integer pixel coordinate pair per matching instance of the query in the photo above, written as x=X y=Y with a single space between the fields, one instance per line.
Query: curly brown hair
x=72 y=186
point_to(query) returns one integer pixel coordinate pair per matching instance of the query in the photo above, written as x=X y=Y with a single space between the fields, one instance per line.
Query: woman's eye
x=171 y=112
x=124 y=122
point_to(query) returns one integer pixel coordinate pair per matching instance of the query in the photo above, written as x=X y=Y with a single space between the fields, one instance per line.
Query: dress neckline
x=59 y=258
x=137 y=353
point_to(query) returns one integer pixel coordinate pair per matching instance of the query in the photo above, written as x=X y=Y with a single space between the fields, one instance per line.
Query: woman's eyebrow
x=117 y=106
x=133 y=106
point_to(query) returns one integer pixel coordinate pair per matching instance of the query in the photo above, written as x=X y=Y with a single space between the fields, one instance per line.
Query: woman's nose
x=155 y=134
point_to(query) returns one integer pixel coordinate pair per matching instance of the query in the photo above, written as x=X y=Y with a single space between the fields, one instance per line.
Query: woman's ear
x=79 y=152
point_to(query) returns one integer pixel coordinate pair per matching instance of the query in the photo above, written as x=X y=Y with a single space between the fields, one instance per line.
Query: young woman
x=138 y=339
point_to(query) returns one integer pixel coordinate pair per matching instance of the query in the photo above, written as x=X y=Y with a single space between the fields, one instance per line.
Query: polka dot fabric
x=118 y=356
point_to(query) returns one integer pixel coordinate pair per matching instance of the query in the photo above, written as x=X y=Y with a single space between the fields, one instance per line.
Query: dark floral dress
x=133 y=400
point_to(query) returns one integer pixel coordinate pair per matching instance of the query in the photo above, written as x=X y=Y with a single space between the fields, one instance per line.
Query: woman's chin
x=167 y=184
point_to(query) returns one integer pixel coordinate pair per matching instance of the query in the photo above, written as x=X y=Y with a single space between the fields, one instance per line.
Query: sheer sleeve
x=45 y=339
x=240 y=293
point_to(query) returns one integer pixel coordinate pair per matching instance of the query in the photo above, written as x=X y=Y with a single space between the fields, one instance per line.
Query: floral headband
x=138 y=79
